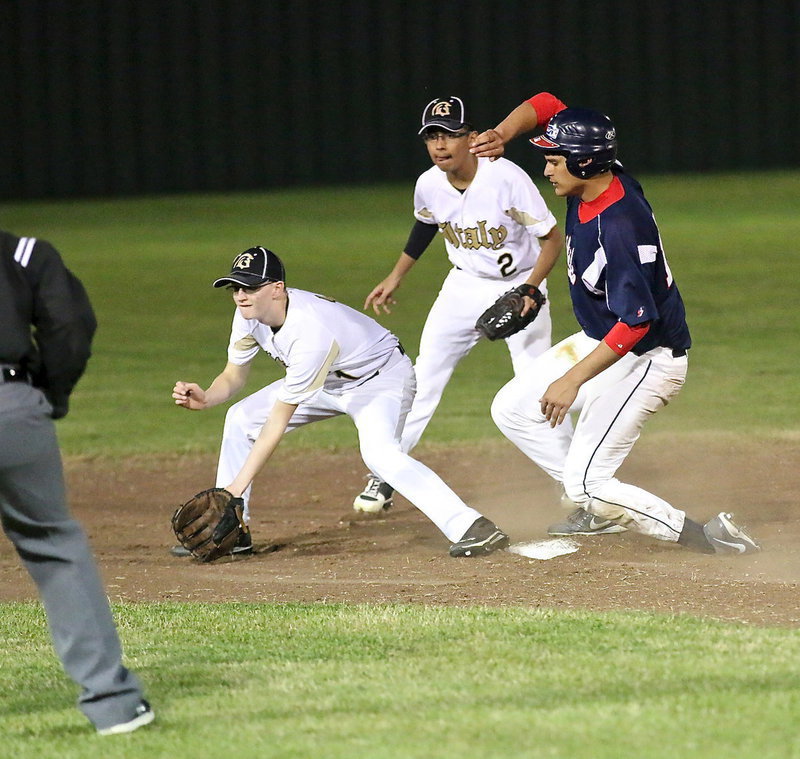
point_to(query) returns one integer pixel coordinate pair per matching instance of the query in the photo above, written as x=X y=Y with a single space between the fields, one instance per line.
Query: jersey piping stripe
x=599 y=445
x=319 y=379
x=22 y=255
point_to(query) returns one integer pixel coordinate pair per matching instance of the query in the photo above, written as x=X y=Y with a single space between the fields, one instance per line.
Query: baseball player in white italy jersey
x=338 y=361
x=498 y=233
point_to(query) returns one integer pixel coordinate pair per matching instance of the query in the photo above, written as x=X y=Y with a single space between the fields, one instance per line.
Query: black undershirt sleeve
x=420 y=238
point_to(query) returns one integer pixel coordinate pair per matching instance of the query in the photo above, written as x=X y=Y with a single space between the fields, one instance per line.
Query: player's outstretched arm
x=265 y=445
x=532 y=113
x=381 y=295
x=492 y=142
x=229 y=382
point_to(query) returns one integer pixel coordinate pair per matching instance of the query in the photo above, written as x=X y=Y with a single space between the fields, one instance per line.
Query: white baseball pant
x=378 y=408
x=449 y=334
x=612 y=408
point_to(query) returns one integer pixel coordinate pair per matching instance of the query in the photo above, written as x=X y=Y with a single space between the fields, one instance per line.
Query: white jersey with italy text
x=323 y=344
x=490 y=229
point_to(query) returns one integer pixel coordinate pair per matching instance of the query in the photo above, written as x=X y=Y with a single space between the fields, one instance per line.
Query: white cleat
x=376 y=497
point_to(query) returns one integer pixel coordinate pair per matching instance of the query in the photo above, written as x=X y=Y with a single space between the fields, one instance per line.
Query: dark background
x=121 y=97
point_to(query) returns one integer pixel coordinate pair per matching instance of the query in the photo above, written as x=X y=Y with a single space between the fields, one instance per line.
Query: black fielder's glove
x=209 y=524
x=504 y=317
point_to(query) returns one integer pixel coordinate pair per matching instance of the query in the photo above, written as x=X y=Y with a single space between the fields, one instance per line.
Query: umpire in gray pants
x=48 y=325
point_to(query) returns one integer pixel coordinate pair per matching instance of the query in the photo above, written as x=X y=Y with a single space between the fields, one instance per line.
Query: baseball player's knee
x=500 y=409
x=511 y=410
x=385 y=462
x=380 y=455
x=238 y=420
x=575 y=491
x=588 y=489
x=234 y=417
x=580 y=484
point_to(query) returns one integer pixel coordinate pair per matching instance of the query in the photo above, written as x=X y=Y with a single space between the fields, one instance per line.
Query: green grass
x=149 y=262
x=410 y=681
x=399 y=681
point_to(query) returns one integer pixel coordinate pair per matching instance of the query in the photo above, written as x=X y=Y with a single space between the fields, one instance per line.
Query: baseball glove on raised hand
x=504 y=317
x=209 y=524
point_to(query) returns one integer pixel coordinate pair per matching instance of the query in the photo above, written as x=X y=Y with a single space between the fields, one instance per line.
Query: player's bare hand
x=489 y=144
x=558 y=399
x=527 y=305
x=189 y=395
x=235 y=490
x=381 y=297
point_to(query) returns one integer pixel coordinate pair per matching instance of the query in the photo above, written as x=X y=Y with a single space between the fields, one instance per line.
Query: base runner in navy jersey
x=629 y=358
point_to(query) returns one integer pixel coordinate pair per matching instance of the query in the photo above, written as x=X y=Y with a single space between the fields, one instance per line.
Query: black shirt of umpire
x=48 y=321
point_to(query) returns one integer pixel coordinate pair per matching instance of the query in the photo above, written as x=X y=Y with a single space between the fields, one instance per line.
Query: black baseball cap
x=254 y=268
x=444 y=113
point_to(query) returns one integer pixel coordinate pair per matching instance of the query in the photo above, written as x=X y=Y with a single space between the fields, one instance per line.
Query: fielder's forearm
x=551 y=245
x=403 y=265
x=227 y=384
x=264 y=446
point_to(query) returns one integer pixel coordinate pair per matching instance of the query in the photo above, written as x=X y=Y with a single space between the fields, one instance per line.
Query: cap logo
x=552 y=131
x=441 y=109
x=611 y=134
x=243 y=261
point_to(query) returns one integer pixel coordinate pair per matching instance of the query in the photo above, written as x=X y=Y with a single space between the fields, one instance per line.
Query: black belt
x=15 y=374
x=678 y=352
x=345 y=375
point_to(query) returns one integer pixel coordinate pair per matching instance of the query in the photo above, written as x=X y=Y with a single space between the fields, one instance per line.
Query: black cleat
x=481 y=538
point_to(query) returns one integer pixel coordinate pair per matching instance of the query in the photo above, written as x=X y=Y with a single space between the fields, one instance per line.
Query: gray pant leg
x=56 y=553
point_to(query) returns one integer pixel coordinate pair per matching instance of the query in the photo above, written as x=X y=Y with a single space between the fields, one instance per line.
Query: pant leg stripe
x=600 y=443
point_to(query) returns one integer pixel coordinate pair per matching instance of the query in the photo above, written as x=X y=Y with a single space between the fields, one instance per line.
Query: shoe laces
x=373 y=487
x=578 y=517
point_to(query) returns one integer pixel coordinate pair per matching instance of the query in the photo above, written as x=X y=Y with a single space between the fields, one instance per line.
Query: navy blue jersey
x=617 y=269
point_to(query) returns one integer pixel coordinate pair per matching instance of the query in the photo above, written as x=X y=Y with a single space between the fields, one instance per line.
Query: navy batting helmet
x=580 y=134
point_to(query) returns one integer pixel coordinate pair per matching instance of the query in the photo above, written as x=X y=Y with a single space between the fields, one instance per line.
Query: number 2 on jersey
x=506 y=264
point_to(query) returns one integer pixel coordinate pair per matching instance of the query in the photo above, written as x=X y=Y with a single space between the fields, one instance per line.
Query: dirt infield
x=311 y=546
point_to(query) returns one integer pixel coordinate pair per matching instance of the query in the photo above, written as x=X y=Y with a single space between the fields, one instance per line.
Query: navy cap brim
x=242 y=278
x=446 y=124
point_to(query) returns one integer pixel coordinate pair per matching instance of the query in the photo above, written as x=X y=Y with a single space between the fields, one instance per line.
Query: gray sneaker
x=377 y=496
x=144 y=716
x=581 y=522
x=727 y=537
x=481 y=538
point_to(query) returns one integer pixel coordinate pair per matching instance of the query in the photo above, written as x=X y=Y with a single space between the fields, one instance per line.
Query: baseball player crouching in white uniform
x=499 y=233
x=338 y=361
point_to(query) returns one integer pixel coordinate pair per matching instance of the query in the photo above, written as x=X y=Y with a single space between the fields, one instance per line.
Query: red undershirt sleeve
x=621 y=338
x=546 y=106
